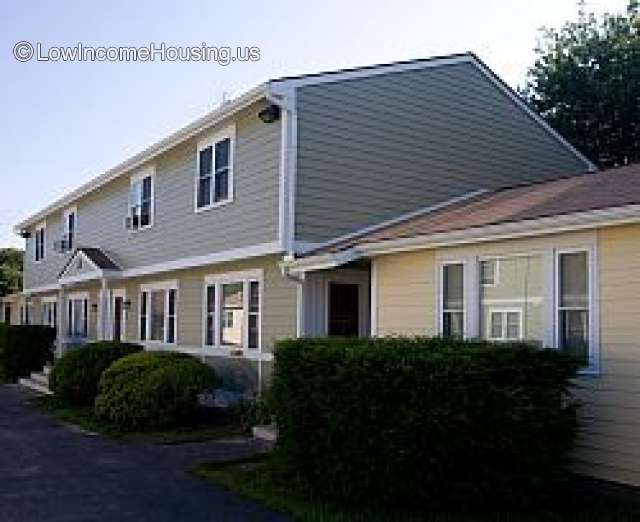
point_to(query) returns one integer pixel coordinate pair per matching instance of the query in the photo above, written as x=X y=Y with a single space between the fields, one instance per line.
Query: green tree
x=586 y=83
x=10 y=270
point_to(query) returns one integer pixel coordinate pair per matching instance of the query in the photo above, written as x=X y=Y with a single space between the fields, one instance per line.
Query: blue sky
x=63 y=123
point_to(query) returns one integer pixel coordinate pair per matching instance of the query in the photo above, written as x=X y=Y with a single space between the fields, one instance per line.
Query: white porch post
x=103 y=311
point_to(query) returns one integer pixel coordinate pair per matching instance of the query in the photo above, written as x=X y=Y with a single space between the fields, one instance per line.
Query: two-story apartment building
x=181 y=247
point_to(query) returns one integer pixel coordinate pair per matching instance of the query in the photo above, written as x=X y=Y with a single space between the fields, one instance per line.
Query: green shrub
x=75 y=376
x=152 y=390
x=24 y=348
x=423 y=421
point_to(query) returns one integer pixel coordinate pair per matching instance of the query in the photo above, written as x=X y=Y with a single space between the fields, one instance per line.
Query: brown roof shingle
x=592 y=191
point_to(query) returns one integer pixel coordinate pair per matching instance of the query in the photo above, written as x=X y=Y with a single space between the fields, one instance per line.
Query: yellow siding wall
x=610 y=445
x=405 y=293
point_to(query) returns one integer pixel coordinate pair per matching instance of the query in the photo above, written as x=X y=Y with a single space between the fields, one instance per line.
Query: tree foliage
x=10 y=270
x=586 y=83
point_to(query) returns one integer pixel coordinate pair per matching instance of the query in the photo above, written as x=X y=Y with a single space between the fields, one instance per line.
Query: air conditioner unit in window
x=61 y=246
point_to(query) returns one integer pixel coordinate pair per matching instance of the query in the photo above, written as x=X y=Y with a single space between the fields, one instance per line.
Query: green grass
x=85 y=419
x=253 y=478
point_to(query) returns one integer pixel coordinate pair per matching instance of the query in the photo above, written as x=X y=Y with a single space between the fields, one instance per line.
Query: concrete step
x=266 y=433
x=35 y=386
x=40 y=378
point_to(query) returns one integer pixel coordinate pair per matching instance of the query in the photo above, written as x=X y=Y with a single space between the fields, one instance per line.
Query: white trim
x=165 y=287
x=373 y=299
x=519 y=102
x=440 y=293
x=234 y=277
x=192 y=129
x=40 y=289
x=138 y=177
x=117 y=293
x=211 y=140
x=40 y=227
x=170 y=284
x=65 y=226
x=49 y=299
x=503 y=333
x=77 y=295
x=496 y=271
x=208 y=259
x=97 y=274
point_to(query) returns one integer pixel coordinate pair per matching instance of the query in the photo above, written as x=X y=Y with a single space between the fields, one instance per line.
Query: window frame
x=65 y=228
x=82 y=297
x=245 y=277
x=593 y=327
x=39 y=243
x=49 y=307
x=440 y=308
x=210 y=141
x=496 y=271
x=503 y=335
x=139 y=177
x=165 y=287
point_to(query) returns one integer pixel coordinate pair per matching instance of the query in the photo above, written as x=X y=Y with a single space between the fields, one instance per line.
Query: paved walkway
x=52 y=472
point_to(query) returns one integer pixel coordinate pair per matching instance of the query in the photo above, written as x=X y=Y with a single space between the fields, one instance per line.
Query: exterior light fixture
x=127 y=305
x=25 y=234
x=270 y=114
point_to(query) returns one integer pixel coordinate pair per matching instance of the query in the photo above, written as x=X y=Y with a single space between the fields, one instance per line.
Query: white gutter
x=190 y=130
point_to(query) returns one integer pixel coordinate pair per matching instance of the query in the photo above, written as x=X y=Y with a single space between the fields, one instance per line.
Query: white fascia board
x=138 y=160
x=41 y=289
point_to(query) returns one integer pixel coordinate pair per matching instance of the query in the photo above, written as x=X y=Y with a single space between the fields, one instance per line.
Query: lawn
x=254 y=479
x=84 y=418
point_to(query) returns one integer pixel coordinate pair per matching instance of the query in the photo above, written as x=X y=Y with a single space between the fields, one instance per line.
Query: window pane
x=496 y=325
x=574 y=332
x=453 y=324
x=253 y=331
x=143 y=316
x=453 y=293
x=513 y=325
x=204 y=192
x=146 y=189
x=573 y=280
x=222 y=185
x=232 y=304
x=222 y=153
x=85 y=321
x=145 y=214
x=171 y=320
x=254 y=296
x=156 y=328
x=211 y=308
x=517 y=297
x=488 y=272
x=205 y=162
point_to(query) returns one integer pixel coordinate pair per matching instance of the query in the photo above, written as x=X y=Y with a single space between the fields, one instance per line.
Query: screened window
x=49 y=313
x=158 y=315
x=573 y=303
x=140 y=203
x=488 y=272
x=77 y=317
x=232 y=317
x=505 y=325
x=453 y=300
x=213 y=184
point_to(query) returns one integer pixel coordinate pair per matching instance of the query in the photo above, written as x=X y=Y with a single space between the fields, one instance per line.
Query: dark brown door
x=117 y=318
x=7 y=314
x=343 y=310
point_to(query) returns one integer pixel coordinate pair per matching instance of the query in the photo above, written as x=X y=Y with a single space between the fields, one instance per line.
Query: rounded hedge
x=24 y=348
x=75 y=375
x=152 y=390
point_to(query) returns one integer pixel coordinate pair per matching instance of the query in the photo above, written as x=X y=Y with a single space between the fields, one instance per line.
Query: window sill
x=132 y=231
x=213 y=206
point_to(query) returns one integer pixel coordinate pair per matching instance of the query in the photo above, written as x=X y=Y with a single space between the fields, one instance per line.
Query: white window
x=452 y=300
x=489 y=272
x=232 y=311
x=141 y=201
x=50 y=313
x=77 y=315
x=26 y=313
x=214 y=176
x=158 y=312
x=40 y=242
x=69 y=232
x=505 y=325
x=573 y=302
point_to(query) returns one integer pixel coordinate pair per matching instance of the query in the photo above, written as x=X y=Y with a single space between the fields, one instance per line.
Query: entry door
x=344 y=309
x=117 y=315
x=7 y=314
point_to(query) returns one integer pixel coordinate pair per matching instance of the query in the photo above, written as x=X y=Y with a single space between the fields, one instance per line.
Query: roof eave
x=186 y=132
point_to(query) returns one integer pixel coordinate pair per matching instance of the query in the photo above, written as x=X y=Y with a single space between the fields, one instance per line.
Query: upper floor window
x=69 y=226
x=141 y=194
x=39 y=242
x=214 y=181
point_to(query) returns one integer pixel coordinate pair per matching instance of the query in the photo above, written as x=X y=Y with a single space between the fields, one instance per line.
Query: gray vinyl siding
x=372 y=148
x=178 y=231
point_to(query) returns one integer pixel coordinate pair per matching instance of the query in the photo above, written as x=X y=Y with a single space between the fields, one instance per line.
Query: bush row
x=427 y=421
x=24 y=348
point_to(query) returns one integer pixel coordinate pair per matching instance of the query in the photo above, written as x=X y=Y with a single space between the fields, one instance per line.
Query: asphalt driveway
x=52 y=472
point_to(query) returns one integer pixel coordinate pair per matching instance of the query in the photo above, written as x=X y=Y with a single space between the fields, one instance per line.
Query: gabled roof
x=571 y=196
x=276 y=90
x=98 y=260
